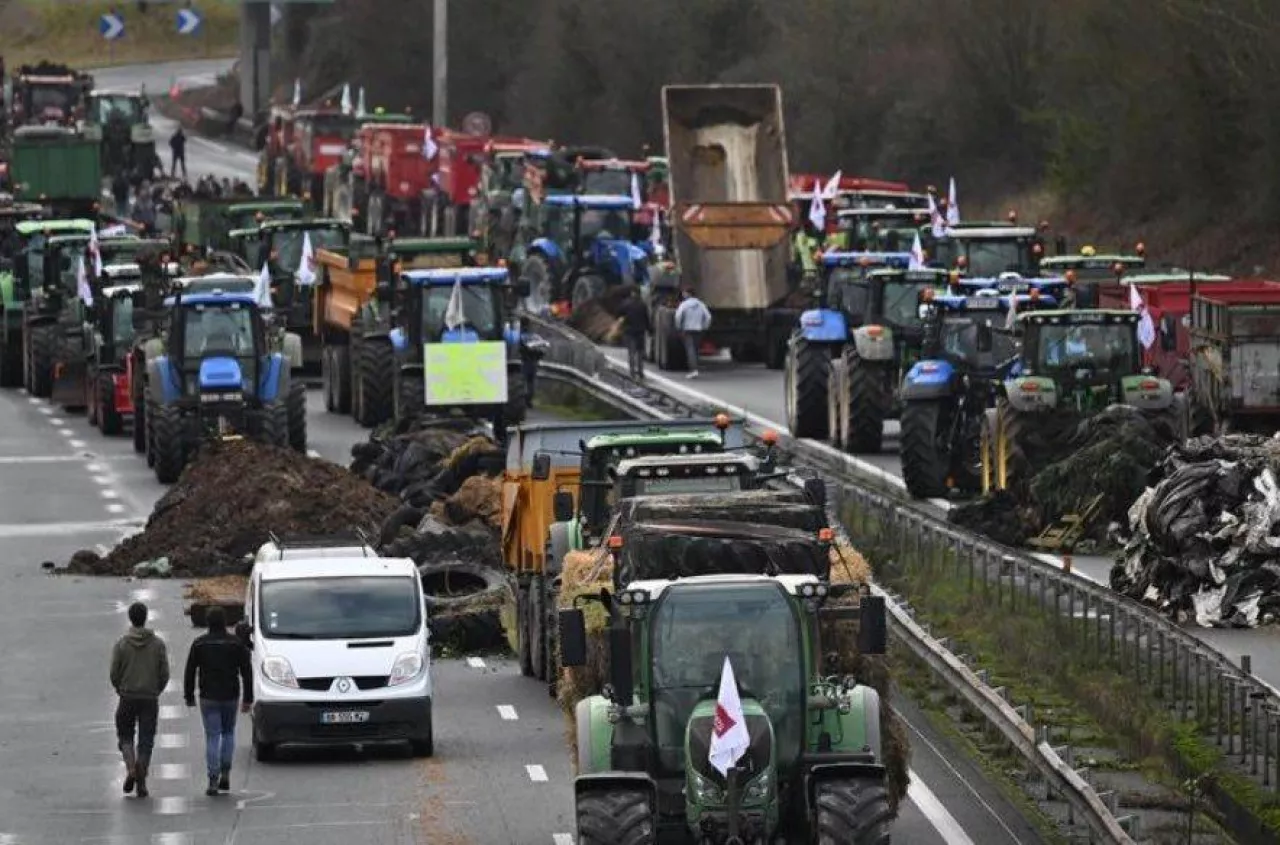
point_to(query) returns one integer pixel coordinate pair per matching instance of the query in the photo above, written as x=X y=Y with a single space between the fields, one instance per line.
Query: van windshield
x=339 y=608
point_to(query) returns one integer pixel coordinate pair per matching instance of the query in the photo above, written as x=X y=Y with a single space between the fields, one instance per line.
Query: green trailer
x=59 y=167
x=207 y=222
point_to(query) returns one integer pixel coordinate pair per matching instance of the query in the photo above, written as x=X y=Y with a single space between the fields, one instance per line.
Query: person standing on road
x=139 y=673
x=178 y=146
x=692 y=319
x=221 y=662
x=635 y=327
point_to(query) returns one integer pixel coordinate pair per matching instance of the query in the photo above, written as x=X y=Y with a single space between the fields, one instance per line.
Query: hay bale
x=582 y=568
x=216 y=590
x=479 y=497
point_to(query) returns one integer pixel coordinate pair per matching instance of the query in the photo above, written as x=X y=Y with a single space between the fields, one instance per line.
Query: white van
x=340 y=649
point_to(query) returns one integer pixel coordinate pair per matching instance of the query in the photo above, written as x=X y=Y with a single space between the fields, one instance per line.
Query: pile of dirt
x=232 y=497
x=1204 y=538
x=598 y=319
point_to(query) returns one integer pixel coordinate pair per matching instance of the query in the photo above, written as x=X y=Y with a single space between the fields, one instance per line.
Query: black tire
x=424 y=745
x=587 y=287
x=139 y=426
x=851 y=812
x=517 y=407
x=1011 y=431
x=458 y=584
x=264 y=752
x=524 y=650
x=468 y=632
x=775 y=349
x=342 y=385
x=667 y=344
x=805 y=385
x=110 y=422
x=150 y=436
x=535 y=270
x=615 y=817
x=745 y=353
x=168 y=447
x=925 y=462
x=869 y=403
x=274 y=424
x=377 y=359
x=11 y=360
x=327 y=376
x=297 y=413
x=43 y=347
x=537 y=622
x=405 y=516
x=410 y=397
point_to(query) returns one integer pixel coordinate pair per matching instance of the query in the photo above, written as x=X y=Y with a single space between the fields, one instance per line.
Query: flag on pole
x=262 y=290
x=1011 y=320
x=83 y=290
x=917 y=254
x=832 y=188
x=935 y=217
x=346 y=98
x=1146 y=326
x=297 y=93
x=635 y=191
x=817 y=208
x=729 y=737
x=655 y=231
x=953 y=207
x=429 y=148
x=95 y=252
x=307 y=264
x=361 y=109
x=455 y=316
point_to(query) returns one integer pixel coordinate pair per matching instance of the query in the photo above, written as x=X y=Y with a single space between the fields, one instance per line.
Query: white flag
x=635 y=191
x=1012 y=317
x=297 y=92
x=1146 y=326
x=361 y=109
x=917 y=254
x=83 y=290
x=262 y=290
x=346 y=98
x=953 y=207
x=306 y=265
x=935 y=218
x=832 y=187
x=455 y=316
x=729 y=737
x=655 y=231
x=817 y=209
x=119 y=230
x=429 y=148
x=95 y=252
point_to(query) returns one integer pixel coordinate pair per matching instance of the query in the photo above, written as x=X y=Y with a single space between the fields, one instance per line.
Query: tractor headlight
x=759 y=790
x=704 y=791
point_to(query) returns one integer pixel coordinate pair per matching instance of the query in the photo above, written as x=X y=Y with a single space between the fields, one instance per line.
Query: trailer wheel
x=851 y=812
x=615 y=817
x=805 y=388
x=167 y=443
x=869 y=404
x=297 y=412
x=925 y=461
x=42 y=354
x=109 y=419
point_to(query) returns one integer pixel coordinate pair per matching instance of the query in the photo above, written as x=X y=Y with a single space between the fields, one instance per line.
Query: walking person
x=178 y=146
x=692 y=319
x=220 y=661
x=139 y=673
x=635 y=328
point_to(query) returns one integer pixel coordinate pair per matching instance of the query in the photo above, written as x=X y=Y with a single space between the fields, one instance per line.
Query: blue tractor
x=457 y=347
x=581 y=247
x=844 y=358
x=969 y=346
x=215 y=378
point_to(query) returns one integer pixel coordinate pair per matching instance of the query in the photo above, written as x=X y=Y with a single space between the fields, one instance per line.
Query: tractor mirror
x=873 y=630
x=620 y=677
x=522 y=287
x=541 y=466
x=815 y=490
x=573 y=637
x=562 y=506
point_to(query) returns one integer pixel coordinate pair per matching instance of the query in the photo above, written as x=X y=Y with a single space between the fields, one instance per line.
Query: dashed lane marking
x=108 y=494
x=66 y=432
x=101 y=479
x=562 y=838
x=59 y=421
x=172 y=711
x=537 y=774
x=115 y=507
x=172 y=771
x=171 y=839
x=40 y=459
x=507 y=712
x=171 y=805
x=76 y=444
x=475 y=662
x=171 y=741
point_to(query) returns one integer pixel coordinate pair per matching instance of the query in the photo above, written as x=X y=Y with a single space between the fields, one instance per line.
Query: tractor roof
x=68 y=239
x=415 y=246
x=614 y=164
x=591 y=201
x=36 y=227
x=935 y=275
x=215 y=297
x=121 y=291
x=240 y=205
x=313 y=223
x=623 y=439
x=728 y=462
x=899 y=260
x=790 y=583
x=991 y=231
x=991 y=302
x=1092 y=262
x=1083 y=315
x=463 y=275
x=1175 y=277
x=887 y=210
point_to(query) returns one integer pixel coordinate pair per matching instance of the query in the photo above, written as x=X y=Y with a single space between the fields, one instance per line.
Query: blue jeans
x=219 y=733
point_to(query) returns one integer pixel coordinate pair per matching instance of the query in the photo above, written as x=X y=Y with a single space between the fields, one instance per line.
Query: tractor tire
x=110 y=422
x=524 y=651
x=468 y=632
x=167 y=443
x=327 y=379
x=297 y=410
x=149 y=450
x=925 y=461
x=615 y=817
x=139 y=426
x=43 y=346
x=410 y=399
x=537 y=622
x=851 y=812
x=517 y=407
x=377 y=402
x=869 y=404
x=745 y=353
x=342 y=379
x=456 y=584
x=1013 y=467
x=805 y=389
x=668 y=349
x=837 y=410
x=535 y=270
x=588 y=287
x=775 y=349
x=11 y=360
x=274 y=422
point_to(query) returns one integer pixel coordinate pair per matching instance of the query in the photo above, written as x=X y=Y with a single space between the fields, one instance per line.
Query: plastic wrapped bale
x=479 y=498
x=688 y=549
x=784 y=509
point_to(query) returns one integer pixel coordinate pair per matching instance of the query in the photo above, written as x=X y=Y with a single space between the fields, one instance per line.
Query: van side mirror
x=562 y=505
x=873 y=627
x=815 y=490
x=573 y=637
x=541 y=466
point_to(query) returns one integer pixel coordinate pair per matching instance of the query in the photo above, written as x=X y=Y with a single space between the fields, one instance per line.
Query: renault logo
x=344 y=685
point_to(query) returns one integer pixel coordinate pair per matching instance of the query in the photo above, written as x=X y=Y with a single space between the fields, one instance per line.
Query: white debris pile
x=1204 y=541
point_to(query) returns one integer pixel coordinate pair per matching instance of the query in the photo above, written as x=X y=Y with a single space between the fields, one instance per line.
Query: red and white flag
x=729 y=737
x=1146 y=326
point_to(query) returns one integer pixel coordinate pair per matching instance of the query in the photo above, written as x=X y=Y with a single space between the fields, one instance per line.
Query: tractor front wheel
x=297 y=410
x=11 y=359
x=925 y=461
x=805 y=388
x=870 y=401
x=410 y=397
x=376 y=398
x=43 y=343
x=851 y=812
x=110 y=421
x=616 y=817
x=167 y=443
x=274 y=429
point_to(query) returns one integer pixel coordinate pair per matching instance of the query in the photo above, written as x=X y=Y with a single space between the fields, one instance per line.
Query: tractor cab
x=34 y=238
x=889 y=228
x=660 y=475
x=986 y=249
x=48 y=94
x=974 y=331
x=225 y=282
x=1090 y=270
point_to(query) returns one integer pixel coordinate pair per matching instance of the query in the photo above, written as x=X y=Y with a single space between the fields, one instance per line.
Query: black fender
x=605 y=781
x=922 y=392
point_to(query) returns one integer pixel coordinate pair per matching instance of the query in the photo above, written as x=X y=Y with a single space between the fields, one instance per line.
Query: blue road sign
x=111 y=26
x=189 y=21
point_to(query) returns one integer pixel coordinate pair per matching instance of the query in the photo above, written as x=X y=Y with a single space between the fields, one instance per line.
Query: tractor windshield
x=286 y=244
x=902 y=302
x=612 y=182
x=54 y=99
x=693 y=629
x=961 y=335
x=479 y=310
x=125 y=108
x=1099 y=347
x=122 y=330
x=225 y=328
x=67 y=255
x=987 y=257
x=606 y=223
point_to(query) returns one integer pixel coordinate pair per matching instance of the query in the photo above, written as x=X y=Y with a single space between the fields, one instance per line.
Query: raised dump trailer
x=1235 y=365
x=728 y=156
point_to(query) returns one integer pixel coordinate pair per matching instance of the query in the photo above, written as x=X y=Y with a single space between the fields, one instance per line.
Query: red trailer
x=390 y=182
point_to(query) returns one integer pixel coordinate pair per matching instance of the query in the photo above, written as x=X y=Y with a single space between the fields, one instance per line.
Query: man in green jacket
x=139 y=673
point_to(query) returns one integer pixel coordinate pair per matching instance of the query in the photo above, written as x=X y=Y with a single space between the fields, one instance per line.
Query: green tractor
x=812 y=769
x=18 y=225
x=1072 y=365
x=46 y=282
x=121 y=122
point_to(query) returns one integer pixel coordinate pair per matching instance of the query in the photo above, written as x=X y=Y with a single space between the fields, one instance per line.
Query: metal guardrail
x=573 y=359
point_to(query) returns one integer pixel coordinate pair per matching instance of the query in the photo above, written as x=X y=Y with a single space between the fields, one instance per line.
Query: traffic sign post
x=189 y=21
x=111 y=27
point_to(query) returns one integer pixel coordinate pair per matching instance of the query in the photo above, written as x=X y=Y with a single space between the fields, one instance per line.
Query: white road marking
x=101 y=479
x=66 y=432
x=507 y=712
x=171 y=839
x=938 y=815
x=40 y=459
x=115 y=507
x=171 y=741
x=142 y=594
x=108 y=494
x=57 y=420
x=172 y=711
x=95 y=467
x=48 y=529
x=171 y=805
x=77 y=444
x=537 y=774
x=172 y=771
x=562 y=838
x=475 y=662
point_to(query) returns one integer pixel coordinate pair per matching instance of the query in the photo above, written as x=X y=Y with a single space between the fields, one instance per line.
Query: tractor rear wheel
x=167 y=443
x=42 y=353
x=517 y=406
x=376 y=399
x=588 y=287
x=274 y=423
x=109 y=419
x=851 y=812
x=869 y=403
x=615 y=817
x=297 y=410
x=410 y=397
x=805 y=388
x=139 y=426
x=342 y=379
x=925 y=461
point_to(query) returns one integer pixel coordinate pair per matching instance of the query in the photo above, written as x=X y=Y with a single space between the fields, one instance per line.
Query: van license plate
x=344 y=717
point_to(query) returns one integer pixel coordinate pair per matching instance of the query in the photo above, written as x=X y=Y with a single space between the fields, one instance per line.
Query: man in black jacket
x=635 y=326
x=222 y=663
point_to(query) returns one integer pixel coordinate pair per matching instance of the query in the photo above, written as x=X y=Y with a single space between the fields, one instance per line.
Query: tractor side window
x=122 y=320
x=852 y=296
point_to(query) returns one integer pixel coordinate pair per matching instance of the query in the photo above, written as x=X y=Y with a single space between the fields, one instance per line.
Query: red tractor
x=301 y=145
